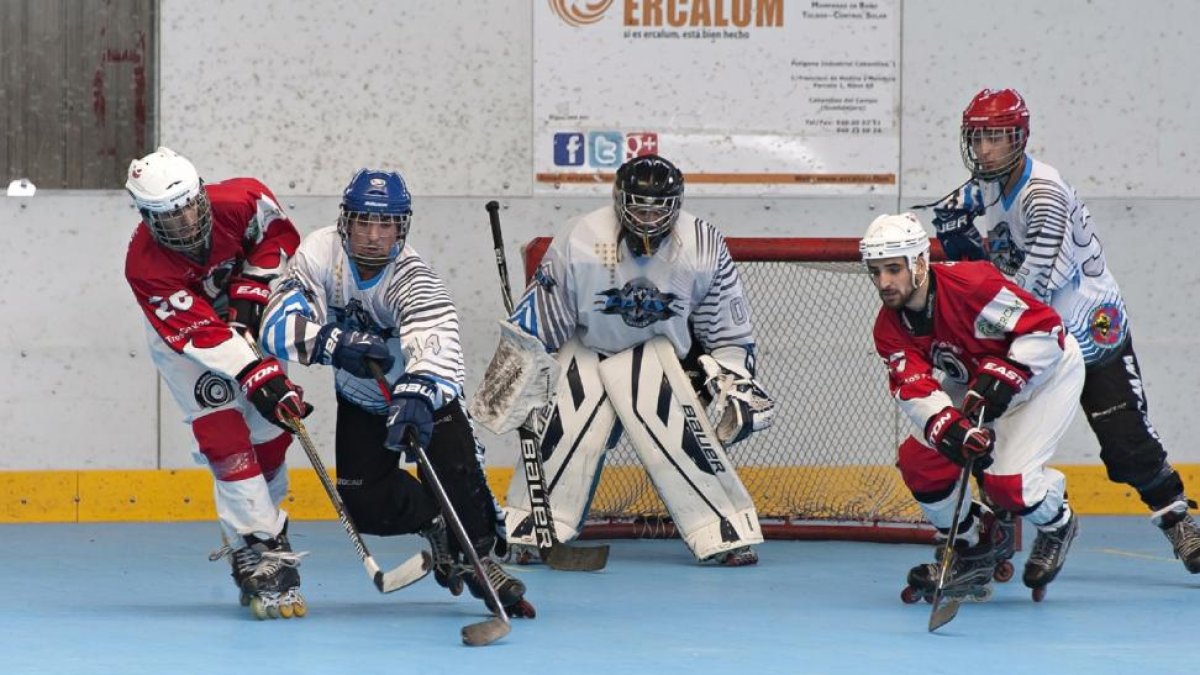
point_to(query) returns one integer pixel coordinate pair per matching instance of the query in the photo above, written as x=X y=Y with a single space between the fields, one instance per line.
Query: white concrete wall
x=301 y=95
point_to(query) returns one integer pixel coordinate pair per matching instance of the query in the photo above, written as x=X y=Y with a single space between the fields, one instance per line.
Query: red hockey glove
x=955 y=438
x=275 y=396
x=247 y=298
x=997 y=382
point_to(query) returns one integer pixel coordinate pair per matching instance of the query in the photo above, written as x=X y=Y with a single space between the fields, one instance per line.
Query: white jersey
x=406 y=304
x=590 y=285
x=1041 y=236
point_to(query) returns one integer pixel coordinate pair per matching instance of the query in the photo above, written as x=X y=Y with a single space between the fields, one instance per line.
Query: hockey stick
x=476 y=634
x=406 y=573
x=941 y=614
x=554 y=553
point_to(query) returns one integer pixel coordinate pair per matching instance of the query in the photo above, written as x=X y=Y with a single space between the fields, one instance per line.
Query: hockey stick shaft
x=941 y=614
x=476 y=634
x=552 y=551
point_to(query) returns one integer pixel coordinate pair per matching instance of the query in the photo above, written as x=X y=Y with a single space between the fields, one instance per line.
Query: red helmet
x=998 y=115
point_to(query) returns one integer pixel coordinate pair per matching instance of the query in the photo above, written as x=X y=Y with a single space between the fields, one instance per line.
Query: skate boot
x=1181 y=529
x=970 y=575
x=510 y=590
x=242 y=562
x=445 y=564
x=1001 y=525
x=274 y=585
x=739 y=557
x=1048 y=555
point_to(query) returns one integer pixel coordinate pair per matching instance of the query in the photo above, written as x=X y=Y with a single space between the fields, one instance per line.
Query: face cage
x=185 y=229
x=345 y=228
x=649 y=218
x=1016 y=138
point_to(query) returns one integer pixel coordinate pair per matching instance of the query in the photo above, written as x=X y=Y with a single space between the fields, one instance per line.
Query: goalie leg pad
x=571 y=438
x=679 y=448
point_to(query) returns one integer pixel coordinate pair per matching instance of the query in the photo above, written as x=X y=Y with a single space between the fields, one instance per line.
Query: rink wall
x=275 y=90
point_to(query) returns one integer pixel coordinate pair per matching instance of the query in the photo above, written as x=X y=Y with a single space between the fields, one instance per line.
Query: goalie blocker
x=670 y=433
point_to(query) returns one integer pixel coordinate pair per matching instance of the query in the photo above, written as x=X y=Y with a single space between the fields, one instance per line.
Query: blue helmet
x=379 y=196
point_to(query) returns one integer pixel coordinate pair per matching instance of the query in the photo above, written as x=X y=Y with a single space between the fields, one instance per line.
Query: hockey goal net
x=826 y=468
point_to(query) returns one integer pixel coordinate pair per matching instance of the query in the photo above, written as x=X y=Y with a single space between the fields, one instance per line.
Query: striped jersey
x=590 y=285
x=406 y=304
x=1041 y=236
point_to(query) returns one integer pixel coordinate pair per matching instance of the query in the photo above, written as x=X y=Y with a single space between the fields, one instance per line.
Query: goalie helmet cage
x=826 y=467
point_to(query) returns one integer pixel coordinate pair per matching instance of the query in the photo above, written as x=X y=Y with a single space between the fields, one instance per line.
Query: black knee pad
x=389 y=505
x=453 y=454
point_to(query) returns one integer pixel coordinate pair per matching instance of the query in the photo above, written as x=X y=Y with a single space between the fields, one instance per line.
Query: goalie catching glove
x=521 y=378
x=740 y=404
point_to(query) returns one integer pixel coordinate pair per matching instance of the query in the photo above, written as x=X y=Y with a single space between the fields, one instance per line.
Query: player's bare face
x=893 y=280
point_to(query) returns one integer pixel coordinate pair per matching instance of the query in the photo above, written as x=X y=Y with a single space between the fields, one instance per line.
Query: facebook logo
x=606 y=149
x=568 y=149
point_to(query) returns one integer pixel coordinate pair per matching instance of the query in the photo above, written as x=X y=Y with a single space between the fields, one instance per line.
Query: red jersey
x=973 y=312
x=251 y=236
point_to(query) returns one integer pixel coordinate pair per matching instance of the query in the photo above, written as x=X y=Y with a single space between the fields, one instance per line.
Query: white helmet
x=893 y=236
x=170 y=196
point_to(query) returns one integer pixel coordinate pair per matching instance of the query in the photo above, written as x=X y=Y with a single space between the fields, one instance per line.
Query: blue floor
x=142 y=598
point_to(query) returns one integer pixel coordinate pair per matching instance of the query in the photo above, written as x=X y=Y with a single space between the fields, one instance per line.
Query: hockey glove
x=247 y=298
x=414 y=399
x=994 y=387
x=351 y=350
x=956 y=439
x=954 y=224
x=276 y=397
x=741 y=406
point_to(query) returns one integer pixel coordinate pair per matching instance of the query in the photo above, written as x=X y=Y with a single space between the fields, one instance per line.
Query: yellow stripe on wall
x=186 y=494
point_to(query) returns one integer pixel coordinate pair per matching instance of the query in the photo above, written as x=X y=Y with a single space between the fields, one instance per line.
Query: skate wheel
x=910 y=595
x=1003 y=571
x=285 y=611
x=258 y=609
x=983 y=595
x=521 y=609
x=1039 y=594
x=244 y=600
x=300 y=610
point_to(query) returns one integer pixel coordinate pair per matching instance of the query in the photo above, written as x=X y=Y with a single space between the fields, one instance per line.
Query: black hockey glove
x=351 y=350
x=247 y=298
x=954 y=224
x=957 y=439
x=997 y=382
x=275 y=396
x=411 y=412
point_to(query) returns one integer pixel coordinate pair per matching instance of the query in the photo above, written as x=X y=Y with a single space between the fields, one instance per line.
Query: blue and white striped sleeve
x=722 y=318
x=1046 y=209
x=546 y=309
x=296 y=312
x=428 y=326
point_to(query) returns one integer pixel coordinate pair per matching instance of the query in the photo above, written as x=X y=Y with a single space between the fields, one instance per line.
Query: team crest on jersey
x=1003 y=251
x=543 y=277
x=1107 y=325
x=639 y=303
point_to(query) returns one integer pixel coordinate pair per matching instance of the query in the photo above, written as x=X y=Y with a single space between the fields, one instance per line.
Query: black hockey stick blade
x=485 y=632
x=943 y=612
x=576 y=558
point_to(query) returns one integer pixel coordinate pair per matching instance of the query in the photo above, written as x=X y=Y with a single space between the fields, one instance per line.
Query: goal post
x=826 y=467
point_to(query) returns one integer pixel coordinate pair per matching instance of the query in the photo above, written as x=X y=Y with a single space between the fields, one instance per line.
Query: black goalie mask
x=647 y=196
